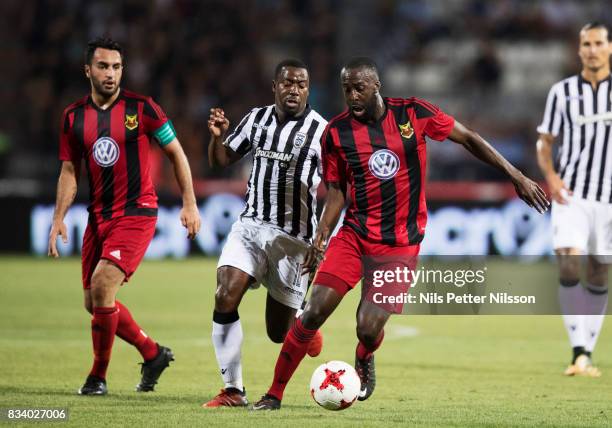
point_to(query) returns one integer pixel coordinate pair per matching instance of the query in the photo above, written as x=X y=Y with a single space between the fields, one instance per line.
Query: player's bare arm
x=526 y=189
x=190 y=215
x=66 y=191
x=557 y=187
x=219 y=154
x=334 y=203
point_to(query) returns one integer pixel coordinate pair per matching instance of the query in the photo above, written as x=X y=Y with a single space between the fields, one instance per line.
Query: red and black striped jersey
x=385 y=164
x=115 y=146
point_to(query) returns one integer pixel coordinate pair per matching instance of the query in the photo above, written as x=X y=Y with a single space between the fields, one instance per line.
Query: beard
x=103 y=90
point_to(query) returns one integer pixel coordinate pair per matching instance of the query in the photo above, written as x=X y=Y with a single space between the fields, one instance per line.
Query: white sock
x=571 y=300
x=596 y=303
x=227 y=340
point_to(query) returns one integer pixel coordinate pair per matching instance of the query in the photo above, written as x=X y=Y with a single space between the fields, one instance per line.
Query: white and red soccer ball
x=335 y=385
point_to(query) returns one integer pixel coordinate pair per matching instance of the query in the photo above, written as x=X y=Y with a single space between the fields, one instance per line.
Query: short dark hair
x=361 y=62
x=289 y=62
x=104 y=43
x=596 y=24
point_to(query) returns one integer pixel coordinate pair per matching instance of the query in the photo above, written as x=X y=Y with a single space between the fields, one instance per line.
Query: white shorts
x=584 y=225
x=271 y=256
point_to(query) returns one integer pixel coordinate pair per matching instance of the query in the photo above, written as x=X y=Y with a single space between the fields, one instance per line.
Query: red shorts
x=349 y=258
x=122 y=240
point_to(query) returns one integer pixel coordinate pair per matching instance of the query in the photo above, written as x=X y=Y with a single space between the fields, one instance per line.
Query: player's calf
x=87 y=303
x=369 y=338
x=276 y=336
x=321 y=305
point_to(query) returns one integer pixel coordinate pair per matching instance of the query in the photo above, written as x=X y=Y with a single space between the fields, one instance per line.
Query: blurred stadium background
x=489 y=63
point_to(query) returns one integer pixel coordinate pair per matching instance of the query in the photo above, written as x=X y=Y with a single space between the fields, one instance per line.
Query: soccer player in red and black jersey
x=378 y=147
x=110 y=130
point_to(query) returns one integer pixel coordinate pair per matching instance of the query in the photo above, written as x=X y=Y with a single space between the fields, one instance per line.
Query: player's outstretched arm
x=66 y=191
x=334 y=203
x=557 y=188
x=190 y=215
x=526 y=189
x=219 y=154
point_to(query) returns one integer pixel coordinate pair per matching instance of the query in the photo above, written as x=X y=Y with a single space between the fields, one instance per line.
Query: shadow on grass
x=125 y=397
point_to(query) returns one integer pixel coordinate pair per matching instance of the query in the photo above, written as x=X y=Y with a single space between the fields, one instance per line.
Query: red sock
x=103 y=328
x=364 y=353
x=291 y=354
x=128 y=330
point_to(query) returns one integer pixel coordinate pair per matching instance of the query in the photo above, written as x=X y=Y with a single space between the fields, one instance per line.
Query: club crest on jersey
x=105 y=152
x=299 y=140
x=131 y=121
x=384 y=164
x=406 y=130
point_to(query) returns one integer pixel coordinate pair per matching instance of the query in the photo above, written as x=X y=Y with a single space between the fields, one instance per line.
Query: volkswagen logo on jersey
x=105 y=152
x=384 y=164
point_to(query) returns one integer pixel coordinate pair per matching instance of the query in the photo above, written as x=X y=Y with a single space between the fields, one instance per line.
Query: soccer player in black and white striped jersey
x=581 y=108
x=269 y=242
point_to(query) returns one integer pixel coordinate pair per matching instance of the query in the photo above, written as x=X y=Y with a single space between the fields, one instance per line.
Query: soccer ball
x=335 y=385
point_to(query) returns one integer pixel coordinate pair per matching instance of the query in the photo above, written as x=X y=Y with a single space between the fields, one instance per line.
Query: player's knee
x=101 y=286
x=101 y=279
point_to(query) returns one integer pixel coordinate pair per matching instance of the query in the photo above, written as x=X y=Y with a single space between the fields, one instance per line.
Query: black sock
x=225 y=317
x=579 y=350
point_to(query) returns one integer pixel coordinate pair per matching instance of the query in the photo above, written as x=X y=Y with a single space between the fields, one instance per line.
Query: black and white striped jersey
x=584 y=115
x=286 y=170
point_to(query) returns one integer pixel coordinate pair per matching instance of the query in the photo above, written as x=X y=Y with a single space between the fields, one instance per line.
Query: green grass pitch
x=432 y=370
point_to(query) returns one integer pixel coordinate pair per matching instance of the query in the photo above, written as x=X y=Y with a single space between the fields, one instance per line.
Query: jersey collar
x=94 y=105
x=582 y=80
x=307 y=110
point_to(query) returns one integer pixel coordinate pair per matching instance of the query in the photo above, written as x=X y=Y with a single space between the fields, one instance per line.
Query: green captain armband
x=165 y=134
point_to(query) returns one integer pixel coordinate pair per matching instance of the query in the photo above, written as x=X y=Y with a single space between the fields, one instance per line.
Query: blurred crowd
x=489 y=63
